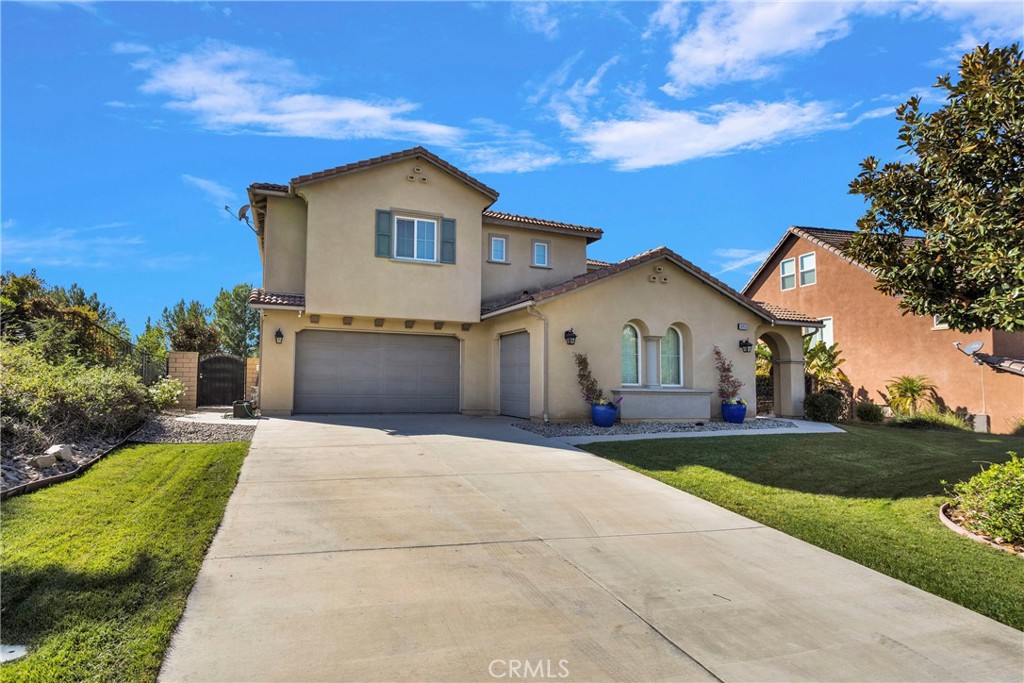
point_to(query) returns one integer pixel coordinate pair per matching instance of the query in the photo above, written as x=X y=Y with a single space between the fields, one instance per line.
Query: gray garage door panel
x=515 y=374
x=359 y=372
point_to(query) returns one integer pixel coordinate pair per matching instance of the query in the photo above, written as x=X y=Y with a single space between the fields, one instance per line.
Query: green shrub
x=64 y=402
x=166 y=392
x=1017 y=427
x=993 y=500
x=933 y=418
x=869 y=412
x=823 y=407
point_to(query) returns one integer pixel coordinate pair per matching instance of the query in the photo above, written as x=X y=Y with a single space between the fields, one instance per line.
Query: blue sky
x=709 y=128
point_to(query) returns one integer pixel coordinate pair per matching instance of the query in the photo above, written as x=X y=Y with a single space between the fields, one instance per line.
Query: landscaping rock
x=43 y=461
x=62 y=452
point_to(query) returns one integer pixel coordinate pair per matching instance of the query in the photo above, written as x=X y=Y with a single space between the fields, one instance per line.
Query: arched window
x=630 y=355
x=672 y=357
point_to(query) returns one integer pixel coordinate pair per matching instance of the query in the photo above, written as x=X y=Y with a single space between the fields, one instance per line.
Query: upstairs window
x=821 y=334
x=788 y=272
x=498 y=253
x=808 y=275
x=415 y=238
x=630 y=355
x=938 y=323
x=540 y=254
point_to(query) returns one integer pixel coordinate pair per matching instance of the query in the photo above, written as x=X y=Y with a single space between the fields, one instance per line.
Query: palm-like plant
x=909 y=392
x=822 y=363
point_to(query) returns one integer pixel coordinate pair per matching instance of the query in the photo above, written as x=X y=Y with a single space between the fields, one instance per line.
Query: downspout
x=544 y=362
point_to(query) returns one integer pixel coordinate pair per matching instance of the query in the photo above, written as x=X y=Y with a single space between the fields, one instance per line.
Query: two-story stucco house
x=390 y=286
x=808 y=271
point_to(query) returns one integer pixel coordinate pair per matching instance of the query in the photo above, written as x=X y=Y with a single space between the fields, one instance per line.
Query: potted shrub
x=734 y=408
x=602 y=411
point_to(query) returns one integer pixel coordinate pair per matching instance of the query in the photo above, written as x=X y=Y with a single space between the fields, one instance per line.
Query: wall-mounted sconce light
x=570 y=337
x=746 y=346
x=279 y=336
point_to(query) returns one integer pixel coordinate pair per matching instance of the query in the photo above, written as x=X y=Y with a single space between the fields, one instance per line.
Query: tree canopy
x=188 y=327
x=238 y=324
x=963 y=190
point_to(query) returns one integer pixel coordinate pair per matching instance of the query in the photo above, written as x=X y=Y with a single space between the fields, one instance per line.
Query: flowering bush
x=166 y=392
x=589 y=390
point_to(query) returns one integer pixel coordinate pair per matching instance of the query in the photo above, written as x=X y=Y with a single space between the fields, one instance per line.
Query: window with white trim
x=808 y=274
x=499 y=249
x=630 y=355
x=415 y=238
x=821 y=334
x=938 y=323
x=787 y=269
x=672 y=358
x=540 y=254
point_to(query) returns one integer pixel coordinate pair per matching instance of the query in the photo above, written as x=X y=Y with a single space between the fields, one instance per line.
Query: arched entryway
x=786 y=386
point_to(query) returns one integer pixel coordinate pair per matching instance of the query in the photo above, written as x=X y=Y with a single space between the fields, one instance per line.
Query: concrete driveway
x=449 y=548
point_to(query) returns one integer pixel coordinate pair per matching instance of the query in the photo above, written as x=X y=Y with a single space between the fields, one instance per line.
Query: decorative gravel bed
x=158 y=428
x=552 y=430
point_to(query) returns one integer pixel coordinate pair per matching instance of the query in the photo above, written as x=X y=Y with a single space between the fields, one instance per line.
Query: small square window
x=808 y=276
x=938 y=323
x=498 y=252
x=540 y=254
x=788 y=272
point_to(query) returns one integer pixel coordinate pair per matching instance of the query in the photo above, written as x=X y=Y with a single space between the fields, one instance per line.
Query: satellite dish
x=973 y=347
x=242 y=212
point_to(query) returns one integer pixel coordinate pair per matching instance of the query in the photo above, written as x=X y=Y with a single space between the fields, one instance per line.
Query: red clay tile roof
x=782 y=315
x=260 y=297
x=1014 y=366
x=390 y=158
x=594 y=264
x=272 y=187
x=592 y=233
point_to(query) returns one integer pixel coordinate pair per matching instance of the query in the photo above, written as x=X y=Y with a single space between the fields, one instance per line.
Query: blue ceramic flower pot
x=603 y=416
x=734 y=412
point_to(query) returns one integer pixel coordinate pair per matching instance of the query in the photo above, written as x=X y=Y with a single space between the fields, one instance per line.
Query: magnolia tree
x=963 y=188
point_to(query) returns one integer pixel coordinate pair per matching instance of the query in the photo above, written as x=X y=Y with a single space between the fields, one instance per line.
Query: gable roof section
x=413 y=152
x=515 y=220
x=780 y=315
x=829 y=239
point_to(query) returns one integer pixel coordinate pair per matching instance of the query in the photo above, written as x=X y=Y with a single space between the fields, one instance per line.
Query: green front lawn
x=96 y=571
x=871 y=495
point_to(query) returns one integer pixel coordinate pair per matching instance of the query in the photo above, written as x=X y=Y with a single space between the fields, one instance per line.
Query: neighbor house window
x=938 y=323
x=672 y=357
x=807 y=274
x=540 y=254
x=788 y=270
x=415 y=238
x=630 y=355
x=498 y=249
x=822 y=334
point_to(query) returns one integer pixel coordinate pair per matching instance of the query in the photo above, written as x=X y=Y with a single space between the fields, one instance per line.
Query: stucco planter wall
x=663 y=403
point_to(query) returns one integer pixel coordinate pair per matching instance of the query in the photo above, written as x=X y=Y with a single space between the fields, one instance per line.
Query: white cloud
x=233 y=89
x=130 y=49
x=669 y=17
x=734 y=259
x=536 y=17
x=219 y=195
x=658 y=137
x=981 y=22
x=741 y=41
x=70 y=246
x=505 y=150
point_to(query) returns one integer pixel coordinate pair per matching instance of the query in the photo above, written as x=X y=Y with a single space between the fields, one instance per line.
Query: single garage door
x=515 y=374
x=363 y=372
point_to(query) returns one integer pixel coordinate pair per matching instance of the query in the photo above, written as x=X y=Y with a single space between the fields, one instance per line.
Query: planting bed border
x=29 y=487
x=973 y=536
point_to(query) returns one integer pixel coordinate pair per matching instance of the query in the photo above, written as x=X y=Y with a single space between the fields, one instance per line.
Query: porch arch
x=787 y=351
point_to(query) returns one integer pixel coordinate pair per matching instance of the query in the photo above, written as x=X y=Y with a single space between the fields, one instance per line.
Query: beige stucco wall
x=598 y=312
x=567 y=255
x=284 y=268
x=344 y=277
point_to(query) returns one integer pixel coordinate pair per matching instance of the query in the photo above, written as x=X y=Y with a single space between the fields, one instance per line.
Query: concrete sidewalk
x=799 y=427
x=448 y=548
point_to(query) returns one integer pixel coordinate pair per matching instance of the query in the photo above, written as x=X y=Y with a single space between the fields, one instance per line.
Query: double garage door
x=364 y=372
